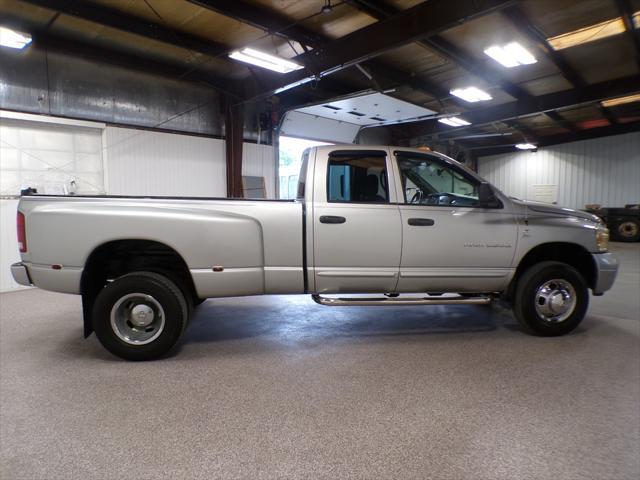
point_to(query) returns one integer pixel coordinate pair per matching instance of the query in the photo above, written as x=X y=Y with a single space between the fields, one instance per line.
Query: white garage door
x=55 y=159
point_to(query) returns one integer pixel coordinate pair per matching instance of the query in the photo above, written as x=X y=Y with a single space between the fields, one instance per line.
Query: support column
x=234 y=129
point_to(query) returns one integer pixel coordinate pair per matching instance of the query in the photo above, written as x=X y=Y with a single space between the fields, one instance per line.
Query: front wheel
x=140 y=316
x=551 y=299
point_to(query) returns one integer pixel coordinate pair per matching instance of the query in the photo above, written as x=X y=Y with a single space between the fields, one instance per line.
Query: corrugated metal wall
x=604 y=170
x=57 y=83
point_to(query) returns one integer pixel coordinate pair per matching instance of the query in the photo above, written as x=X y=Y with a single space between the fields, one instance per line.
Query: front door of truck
x=450 y=243
x=357 y=233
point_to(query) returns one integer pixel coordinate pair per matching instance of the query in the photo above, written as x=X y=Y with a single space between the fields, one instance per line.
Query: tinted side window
x=357 y=179
x=429 y=181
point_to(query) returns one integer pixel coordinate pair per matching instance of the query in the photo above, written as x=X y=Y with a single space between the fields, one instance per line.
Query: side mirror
x=486 y=196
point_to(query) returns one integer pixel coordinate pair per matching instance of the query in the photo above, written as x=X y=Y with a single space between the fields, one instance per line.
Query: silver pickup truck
x=375 y=220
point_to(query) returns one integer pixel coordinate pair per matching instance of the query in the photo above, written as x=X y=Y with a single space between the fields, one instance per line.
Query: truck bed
x=255 y=245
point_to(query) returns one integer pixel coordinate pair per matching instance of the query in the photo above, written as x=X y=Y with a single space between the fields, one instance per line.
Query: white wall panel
x=259 y=161
x=141 y=162
x=603 y=170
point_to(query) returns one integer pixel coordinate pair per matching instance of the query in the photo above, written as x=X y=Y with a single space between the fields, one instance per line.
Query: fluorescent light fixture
x=591 y=33
x=526 y=146
x=471 y=94
x=510 y=55
x=621 y=100
x=12 y=39
x=636 y=19
x=264 y=60
x=454 y=121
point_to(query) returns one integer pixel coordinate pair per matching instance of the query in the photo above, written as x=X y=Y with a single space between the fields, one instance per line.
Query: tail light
x=22 y=233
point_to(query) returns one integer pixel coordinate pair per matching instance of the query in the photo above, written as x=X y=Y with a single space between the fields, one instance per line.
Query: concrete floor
x=278 y=387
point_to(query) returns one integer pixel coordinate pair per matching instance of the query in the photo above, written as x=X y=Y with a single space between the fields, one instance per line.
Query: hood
x=555 y=210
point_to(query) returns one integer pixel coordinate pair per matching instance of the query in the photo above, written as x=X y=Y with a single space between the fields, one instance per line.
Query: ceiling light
x=621 y=100
x=471 y=94
x=636 y=19
x=264 y=60
x=454 y=121
x=526 y=146
x=12 y=39
x=591 y=33
x=511 y=55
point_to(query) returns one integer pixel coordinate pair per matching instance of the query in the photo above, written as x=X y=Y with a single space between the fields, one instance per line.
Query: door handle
x=332 y=219
x=421 y=222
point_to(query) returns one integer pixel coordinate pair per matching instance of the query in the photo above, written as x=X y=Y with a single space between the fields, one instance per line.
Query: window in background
x=290 y=161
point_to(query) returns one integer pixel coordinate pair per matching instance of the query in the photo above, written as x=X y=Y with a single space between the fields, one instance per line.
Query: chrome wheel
x=555 y=301
x=137 y=319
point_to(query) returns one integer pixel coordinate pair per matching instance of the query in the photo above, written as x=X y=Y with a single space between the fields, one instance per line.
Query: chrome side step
x=372 y=302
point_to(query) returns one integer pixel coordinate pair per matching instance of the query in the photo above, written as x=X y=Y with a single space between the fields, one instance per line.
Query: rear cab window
x=357 y=177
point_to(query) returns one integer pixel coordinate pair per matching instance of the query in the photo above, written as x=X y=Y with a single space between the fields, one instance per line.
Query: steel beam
x=421 y=21
x=570 y=137
x=278 y=24
x=263 y=19
x=233 y=134
x=633 y=33
x=445 y=48
x=523 y=24
x=119 y=20
x=47 y=39
x=541 y=104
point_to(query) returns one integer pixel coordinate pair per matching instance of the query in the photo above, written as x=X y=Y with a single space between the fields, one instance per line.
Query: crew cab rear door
x=357 y=233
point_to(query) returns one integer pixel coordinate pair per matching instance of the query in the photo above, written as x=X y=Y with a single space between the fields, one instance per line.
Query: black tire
x=627 y=230
x=155 y=294
x=529 y=291
x=198 y=301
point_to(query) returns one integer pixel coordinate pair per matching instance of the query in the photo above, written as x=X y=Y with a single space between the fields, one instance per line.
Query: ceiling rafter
x=551 y=140
x=520 y=20
x=48 y=39
x=420 y=21
x=121 y=21
x=263 y=18
x=279 y=25
x=381 y=10
x=633 y=33
x=541 y=104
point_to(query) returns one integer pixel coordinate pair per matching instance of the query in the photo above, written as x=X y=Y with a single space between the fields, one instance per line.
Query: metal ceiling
x=421 y=49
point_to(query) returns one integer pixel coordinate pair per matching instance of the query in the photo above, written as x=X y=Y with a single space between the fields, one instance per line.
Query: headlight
x=602 y=238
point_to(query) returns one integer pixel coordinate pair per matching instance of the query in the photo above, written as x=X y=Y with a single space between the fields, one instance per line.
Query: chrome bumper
x=20 y=274
x=606 y=271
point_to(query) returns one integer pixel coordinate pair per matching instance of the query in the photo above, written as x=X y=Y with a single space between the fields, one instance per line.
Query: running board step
x=371 y=302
